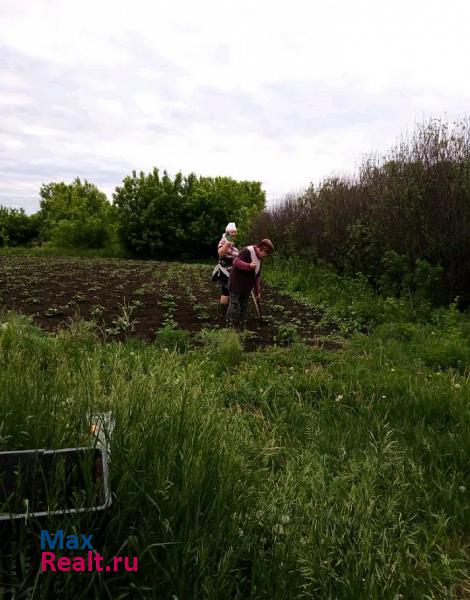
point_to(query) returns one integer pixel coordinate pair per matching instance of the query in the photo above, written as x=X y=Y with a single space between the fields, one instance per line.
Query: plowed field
x=136 y=298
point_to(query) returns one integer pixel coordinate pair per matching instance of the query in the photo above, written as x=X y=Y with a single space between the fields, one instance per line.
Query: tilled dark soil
x=135 y=298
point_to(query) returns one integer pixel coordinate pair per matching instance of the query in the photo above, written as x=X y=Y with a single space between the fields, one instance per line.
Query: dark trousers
x=237 y=308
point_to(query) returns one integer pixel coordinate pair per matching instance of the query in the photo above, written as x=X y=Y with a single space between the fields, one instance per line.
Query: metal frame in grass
x=66 y=511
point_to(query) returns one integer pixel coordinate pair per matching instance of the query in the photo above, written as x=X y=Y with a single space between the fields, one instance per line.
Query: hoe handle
x=257 y=306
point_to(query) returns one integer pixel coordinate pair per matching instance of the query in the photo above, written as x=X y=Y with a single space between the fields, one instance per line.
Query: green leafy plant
x=124 y=323
x=287 y=333
x=223 y=346
x=172 y=338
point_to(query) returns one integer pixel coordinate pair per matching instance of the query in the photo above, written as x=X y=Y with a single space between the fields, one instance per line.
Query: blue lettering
x=72 y=542
x=86 y=542
x=57 y=540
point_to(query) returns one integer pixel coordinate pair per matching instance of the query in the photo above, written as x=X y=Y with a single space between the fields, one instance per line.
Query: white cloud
x=40 y=131
x=15 y=99
x=11 y=144
x=282 y=93
x=12 y=80
x=150 y=104
x=110 y=108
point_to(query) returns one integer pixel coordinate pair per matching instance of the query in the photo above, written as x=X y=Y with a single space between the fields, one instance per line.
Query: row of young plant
x=402 y=221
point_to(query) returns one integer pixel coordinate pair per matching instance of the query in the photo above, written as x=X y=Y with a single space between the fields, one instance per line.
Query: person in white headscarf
x=227 y=252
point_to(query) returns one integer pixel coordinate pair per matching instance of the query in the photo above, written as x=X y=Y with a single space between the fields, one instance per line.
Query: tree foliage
x=16 y=227
x=181 y=217
x=403 y=220
x=76 y=215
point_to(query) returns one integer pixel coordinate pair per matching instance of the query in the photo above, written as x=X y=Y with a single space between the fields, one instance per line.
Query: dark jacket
x=242 y=278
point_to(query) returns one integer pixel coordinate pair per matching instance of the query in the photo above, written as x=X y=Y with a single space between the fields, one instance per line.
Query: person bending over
x=246 y=275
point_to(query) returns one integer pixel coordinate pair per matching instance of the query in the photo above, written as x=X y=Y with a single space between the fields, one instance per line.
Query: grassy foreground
x=286 y=473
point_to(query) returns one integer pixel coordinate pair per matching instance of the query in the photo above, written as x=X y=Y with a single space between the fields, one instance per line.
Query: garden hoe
x=257 y=307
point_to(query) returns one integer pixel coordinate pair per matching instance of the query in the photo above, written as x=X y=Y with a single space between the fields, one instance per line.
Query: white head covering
x=230 y=227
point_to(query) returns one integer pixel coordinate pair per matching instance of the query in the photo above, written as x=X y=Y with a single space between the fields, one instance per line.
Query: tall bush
x=414 y=201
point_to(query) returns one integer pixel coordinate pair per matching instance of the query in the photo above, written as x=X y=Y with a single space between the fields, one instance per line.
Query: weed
x=123 y=323
x=287 y=334
x=224 y=347
x=172 y=338
x=97 y=311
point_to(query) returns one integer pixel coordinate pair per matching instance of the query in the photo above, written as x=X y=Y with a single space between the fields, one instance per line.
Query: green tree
x=182 y=217
x=16 y=227
x=75 y=215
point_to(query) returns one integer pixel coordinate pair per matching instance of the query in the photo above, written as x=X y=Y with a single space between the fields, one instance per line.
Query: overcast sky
x=280 y=92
